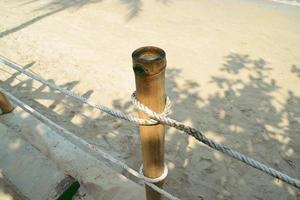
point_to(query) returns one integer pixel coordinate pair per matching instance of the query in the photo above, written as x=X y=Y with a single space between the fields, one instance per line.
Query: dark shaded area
x=296 y=69
x=70 y=192
x=241 y=113
x=134 y=7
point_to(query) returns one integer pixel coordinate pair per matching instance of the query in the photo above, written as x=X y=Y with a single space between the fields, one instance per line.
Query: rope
x=161 y=118
x=103 y=108
x=90 y=146
x=158 y=179
x=223 y=148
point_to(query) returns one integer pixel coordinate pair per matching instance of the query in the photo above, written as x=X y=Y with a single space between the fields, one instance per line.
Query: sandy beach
x=233 y=72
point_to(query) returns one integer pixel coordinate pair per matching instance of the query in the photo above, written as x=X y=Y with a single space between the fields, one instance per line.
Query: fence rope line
x=89 y=145
x=223 y=148
x=115 y=113
x=158 y=118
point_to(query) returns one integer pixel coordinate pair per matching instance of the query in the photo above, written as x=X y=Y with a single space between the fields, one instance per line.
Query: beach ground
x=233 y=72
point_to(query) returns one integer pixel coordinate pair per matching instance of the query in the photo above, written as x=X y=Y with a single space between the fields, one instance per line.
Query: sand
x=233 y=72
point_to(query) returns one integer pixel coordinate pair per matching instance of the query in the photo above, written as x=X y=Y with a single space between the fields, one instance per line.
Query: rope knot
x=154 y=117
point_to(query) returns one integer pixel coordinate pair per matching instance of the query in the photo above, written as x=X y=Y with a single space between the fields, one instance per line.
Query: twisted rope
x=161 y=118
x=92 y=147
x=222 y=148
x=115 y=113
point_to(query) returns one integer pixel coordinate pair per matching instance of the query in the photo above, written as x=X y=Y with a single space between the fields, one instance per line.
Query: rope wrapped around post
x=222 y=148
x=94 y=148
x=149 y=64
x=162 y=119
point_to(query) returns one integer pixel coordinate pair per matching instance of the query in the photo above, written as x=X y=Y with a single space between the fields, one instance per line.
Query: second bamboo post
x=149 y=65
x=5 y=104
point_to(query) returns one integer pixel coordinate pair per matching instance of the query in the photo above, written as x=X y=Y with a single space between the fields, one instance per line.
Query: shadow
x=242 y=112
x=296 y=70
x=28 y=23
x=51 y=8
x=134 y=7
x=57 y=6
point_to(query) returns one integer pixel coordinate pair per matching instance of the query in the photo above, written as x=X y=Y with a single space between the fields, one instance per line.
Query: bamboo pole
x=149 y=65
x=5 y=104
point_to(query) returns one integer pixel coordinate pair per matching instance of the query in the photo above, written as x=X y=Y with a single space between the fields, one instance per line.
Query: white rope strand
x=115 y=113
x=158 y=179
x=222 y=148
x=88 y=145
x=161 y=118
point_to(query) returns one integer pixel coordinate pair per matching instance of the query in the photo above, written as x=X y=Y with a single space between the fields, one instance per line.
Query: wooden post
x=5 y=104
x=149 y=65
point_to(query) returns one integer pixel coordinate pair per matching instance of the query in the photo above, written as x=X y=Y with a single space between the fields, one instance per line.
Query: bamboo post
x=5 y=104
x=149 y=65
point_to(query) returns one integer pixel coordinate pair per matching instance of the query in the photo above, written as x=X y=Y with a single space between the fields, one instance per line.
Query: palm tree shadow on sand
x=296 y=70
x=240 y=114
x=56 y=6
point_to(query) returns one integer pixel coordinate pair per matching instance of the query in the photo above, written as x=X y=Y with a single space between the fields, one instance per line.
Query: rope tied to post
x=96 y=149
x=161 y=118
x=155 y=180
x=198 y=135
